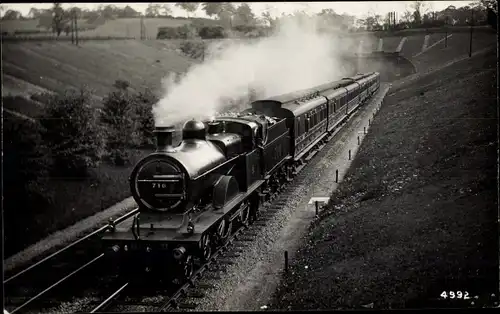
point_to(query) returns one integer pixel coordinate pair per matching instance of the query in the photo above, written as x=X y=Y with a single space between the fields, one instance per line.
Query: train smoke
x=296 y=56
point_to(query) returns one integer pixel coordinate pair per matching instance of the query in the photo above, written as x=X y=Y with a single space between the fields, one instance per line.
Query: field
x=30 y=26
x=122 y=27
x=58 y=66
x=416 y=214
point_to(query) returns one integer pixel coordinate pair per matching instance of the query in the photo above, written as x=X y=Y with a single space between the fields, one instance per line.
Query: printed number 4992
x=455 y=295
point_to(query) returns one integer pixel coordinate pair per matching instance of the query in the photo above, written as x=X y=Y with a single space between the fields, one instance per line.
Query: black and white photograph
x=250 y=156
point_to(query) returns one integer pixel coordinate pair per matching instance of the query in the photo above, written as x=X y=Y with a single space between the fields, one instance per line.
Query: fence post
x=316 y=204
x=349 y=154
x=286 y=261
x=72 y=31
x=471 y=24
x=337 y=176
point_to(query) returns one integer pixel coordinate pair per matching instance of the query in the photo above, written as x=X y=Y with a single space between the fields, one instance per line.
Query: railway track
x=185 y=297
x=34 y=286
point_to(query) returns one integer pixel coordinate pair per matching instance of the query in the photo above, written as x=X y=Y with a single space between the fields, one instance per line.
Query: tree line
x=229 y=15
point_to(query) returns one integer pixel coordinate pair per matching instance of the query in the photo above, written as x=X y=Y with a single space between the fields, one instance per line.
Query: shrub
x=72 y=131
x=119 y=119
x=144 y=102
x=26 y=164
x=245 y=28
x=44 y=98
x=193 y=49
x=212 y=32
x=181 y=32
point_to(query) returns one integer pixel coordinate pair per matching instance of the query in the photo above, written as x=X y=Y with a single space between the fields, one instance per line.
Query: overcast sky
x=358 y=8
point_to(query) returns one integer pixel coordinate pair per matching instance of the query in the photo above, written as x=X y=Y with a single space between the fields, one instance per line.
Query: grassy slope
x=417 y=212
x=57 y=66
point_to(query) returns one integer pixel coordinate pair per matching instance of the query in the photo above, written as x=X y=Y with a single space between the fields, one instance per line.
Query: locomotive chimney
x=163 y=137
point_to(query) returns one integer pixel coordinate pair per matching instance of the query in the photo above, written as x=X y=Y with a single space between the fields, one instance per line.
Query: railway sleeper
x=195 y=293
x=187 y=305
x=204 y=285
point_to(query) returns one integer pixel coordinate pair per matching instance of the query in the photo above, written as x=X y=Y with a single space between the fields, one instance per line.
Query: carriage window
x=298 y=127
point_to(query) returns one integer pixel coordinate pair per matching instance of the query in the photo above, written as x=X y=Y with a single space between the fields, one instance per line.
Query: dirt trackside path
x=425 y=216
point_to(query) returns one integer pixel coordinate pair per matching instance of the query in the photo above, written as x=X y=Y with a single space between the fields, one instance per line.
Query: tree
x=223 y=10
x=129 y=12
x=76 y=11
x=153 y=10
x=189 y=7
x=165 y=8
x=11 y=15
x=244 y=14
x=407 y=17
x=109 y=11
x=72 y=133
x=420 y=9
x=57 y=19
x=372 y=22
x=487 y=4
x=212 y=8
x=266 y=16
x=118 y=115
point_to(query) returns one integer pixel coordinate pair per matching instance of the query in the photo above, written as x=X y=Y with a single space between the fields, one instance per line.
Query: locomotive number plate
x=159 y=185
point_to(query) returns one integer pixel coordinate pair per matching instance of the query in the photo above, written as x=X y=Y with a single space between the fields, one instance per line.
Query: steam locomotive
x=190 y=196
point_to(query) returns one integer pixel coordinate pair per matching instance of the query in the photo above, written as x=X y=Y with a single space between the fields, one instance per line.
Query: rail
x=58 y=282
x=106 y=302
x=96 y=232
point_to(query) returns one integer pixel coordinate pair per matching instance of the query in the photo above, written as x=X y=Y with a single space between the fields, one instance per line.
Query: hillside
x=416 y=214
x=57 y=66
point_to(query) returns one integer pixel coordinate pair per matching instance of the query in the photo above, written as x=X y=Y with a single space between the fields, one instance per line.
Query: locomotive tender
x=190 y=195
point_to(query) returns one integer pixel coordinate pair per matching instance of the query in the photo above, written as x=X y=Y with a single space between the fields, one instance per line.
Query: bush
x=212 y=32
x=44 y=98
x=181 y=32
x=193 y=49
x=245 y=28
x=119 y=119
x=72 y=131
x=26 y=164
x=144 y=113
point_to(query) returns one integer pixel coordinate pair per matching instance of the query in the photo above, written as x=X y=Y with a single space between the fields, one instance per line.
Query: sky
x=359 y=9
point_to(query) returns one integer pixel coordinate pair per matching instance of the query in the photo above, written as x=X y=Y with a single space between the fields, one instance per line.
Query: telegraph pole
x=143 y=28
x=72 y=30
x=76 y=30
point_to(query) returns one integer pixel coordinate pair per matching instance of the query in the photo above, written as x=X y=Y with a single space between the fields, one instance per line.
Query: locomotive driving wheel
x=205 y=247
x=188 y=267
x=223 y=231
x=245 y=213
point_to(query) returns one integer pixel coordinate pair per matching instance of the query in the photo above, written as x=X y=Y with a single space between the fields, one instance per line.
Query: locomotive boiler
x=192 y=195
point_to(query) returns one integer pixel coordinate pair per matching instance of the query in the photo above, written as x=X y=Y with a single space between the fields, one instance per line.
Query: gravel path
x=249 y=283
